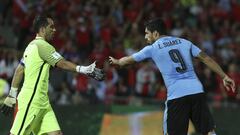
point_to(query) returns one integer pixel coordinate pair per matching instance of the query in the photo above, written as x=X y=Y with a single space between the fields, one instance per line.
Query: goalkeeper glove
x=9 y=103
x=97 y=74
x=86 y=69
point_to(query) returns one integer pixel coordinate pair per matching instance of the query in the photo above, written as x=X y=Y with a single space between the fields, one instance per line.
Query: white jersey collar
x=37 y=37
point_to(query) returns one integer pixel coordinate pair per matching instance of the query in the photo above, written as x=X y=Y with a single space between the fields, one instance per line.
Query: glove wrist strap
x=80 y=69
x=13 y=92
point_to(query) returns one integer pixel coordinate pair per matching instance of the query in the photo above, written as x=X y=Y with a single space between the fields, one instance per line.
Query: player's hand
x=113 y=61
x=88 y=69
x=229 y=83
x=8 y=105
x=97 y=74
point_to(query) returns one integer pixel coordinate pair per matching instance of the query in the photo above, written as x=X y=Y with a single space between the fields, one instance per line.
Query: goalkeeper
x=35 y=114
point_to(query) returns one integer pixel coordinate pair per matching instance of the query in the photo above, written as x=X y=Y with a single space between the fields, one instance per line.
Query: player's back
x=173 y=57
x=36 y=75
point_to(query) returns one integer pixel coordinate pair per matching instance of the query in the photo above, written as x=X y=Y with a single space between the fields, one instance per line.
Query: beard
x=149 y=42
x=49 y=37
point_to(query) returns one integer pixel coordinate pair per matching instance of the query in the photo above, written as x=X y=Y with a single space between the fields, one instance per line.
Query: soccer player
x=35 y=114
x=185 y=96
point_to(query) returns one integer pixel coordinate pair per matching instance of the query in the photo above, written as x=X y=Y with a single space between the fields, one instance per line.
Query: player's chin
x=50 y=37
x=148 y=41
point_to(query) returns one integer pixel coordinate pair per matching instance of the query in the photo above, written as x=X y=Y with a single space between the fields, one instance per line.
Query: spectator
x=106 y=89
x=145 y=81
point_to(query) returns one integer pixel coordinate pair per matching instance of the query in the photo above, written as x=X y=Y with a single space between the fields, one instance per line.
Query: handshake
x=92 y=71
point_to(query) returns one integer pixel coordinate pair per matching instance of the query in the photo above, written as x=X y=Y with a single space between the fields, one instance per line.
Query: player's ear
x=155 y=34
x=42 y=30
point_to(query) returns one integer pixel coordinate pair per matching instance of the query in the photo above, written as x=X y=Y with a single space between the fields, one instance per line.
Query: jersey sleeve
x=195 y=50
x=49 y=54
x=142 y=54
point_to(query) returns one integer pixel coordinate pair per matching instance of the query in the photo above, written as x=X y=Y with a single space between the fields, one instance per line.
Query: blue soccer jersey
x=173 y=57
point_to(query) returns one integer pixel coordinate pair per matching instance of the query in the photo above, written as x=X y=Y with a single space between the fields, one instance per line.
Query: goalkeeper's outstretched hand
x=97 y=74
x=8 y=106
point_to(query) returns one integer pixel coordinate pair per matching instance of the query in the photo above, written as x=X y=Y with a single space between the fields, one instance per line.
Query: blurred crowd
x=89 y=30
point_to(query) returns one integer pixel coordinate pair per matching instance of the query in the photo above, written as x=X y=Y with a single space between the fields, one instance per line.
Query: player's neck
x=159 y=36
x=39 y=35
x=162 y=36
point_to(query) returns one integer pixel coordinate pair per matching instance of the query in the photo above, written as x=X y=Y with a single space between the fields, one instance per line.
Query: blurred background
x=131 y=100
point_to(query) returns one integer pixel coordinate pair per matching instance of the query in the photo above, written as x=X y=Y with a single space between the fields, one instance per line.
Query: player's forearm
x=124 y=61
x=67 y=65
x=215 y=67
x=212 y=65
x=18 y=76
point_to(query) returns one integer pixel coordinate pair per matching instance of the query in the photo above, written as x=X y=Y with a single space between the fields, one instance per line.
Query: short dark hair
x=39 y=22
x=156 y=24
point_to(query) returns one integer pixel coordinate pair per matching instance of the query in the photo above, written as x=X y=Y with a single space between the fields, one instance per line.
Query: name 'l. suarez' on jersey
x=169 y=43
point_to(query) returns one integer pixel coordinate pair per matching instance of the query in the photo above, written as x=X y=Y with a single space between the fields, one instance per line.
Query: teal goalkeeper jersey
x=38 y=57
